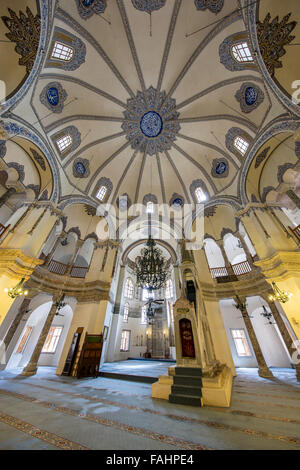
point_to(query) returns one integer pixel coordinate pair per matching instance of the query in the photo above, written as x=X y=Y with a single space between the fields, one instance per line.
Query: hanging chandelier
x=17 y=291
x=279 y=295
x=267 y=315
x=151 y=269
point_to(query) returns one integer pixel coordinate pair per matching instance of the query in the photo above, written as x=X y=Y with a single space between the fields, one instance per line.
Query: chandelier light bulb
x=17 y=291
x=279 y=295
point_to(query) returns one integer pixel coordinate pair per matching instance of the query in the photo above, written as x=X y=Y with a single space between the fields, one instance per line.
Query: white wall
x=36 y=321
x=270 y=342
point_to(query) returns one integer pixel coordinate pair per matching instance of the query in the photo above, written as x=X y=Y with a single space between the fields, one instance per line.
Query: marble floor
x=50 y=412
x=143 y=369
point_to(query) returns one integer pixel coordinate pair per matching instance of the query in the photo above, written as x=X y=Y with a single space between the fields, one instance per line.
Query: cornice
x=14 y=263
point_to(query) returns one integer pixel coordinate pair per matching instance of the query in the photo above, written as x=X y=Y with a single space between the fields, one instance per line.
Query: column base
x=265 y=373
x=29 y=372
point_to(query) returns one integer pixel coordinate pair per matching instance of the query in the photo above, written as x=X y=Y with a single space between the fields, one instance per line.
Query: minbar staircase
x=187 y=388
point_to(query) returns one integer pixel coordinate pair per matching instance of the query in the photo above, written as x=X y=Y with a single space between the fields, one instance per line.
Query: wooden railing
x=57 y=268
x=219 y=272
x=3 y=229
x=296 y=231
x=240 y=269
x=79 y=272
x=61 y=269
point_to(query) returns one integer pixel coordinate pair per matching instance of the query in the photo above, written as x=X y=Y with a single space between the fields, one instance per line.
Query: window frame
x=243 y=47
x=67 y=51
x=27 y=328
x=67 y=147
x=128 y=341
x=58 y=338
x=129 y=291
x=169 y=292
x=126 y=313
x=244 y=143
x=144 y=320
x=244 y=341
x=104 y=188
x=203 y=195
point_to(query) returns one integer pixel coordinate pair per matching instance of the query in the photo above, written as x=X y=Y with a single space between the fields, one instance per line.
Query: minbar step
x=186 y=390
x=189 y=371
x=188 y=380
x=185 y=399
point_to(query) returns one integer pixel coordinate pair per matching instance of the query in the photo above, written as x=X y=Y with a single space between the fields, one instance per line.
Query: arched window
x=64 y=143
x=102 y=191
x=169 y=289
x=200 y=195
x=144 y=315
x=150 y=207
x=126 y=313
x=241 y=52
x=62 y=52
x=241 y=144
x=129 y=289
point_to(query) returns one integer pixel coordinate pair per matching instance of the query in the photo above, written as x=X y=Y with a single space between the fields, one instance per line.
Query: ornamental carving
x=282 y=169
x=148 y=5
x=81 y=168
x=272 y=37
x=220 y=168
x=19 y=168
x=250 y=97
x=3 y=148
x=38 y=159
x=151 y=121
x=226 y=56
x=90 y=210
x=53 y=97
x=25 y=32
x=261 y=157
x=215 y=6
x=87 y=8
x=231 y=135
x=78 y=51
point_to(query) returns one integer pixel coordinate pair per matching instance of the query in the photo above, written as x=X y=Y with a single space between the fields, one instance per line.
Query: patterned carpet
x=51 y=412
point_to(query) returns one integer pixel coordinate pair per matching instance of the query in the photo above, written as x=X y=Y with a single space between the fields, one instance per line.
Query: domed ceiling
x=150 y=99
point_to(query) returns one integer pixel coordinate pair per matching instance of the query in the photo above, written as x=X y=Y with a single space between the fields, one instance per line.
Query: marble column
x=49 y=256
x=31 y=367
x=16 y=322
x=228 y=265
x=263 y=370
x=73 y=259
x=283 y=331
x=245 y=248
x=5 y=197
